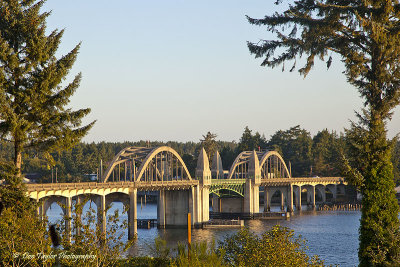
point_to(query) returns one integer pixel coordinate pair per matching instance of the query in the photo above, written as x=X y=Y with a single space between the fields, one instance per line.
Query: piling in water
x=339 y=207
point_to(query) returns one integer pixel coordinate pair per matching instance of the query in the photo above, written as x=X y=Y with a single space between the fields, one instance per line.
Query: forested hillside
x=308 y=155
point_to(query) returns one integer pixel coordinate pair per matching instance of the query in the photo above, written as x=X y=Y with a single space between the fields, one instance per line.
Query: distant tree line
x=308 y=155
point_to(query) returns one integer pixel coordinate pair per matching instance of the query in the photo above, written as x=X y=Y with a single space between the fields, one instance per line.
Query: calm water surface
x=333 y=235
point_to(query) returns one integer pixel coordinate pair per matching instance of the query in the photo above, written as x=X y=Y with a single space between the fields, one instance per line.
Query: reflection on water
x=333 y=235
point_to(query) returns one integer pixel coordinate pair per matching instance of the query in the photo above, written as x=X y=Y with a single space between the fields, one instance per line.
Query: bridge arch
x=216 y=191
x=59 y=200
x=282 y=193
x=240 y=166
x=141 y=162
x=272 y=165
x=152 y=155
x=236 y=163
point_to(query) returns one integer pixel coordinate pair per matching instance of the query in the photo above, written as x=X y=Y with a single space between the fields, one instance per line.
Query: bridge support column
x=101 y=213
x=267 y=205
x=40 y=210
x=334 y=192
x=173 y=208
x=248 y=197
x=78 y=213
x=290 y=198
x=282 y=200
x=313 y=197
x=298 y=199
x=203 y=174
x=205 y=204
x=216 y=205
x=256 y=198
x=132 y=214
x=251 y=198
x=68 y=217
x=161 y=209
x=194 y=205
x=177 y=207
x=199 y=205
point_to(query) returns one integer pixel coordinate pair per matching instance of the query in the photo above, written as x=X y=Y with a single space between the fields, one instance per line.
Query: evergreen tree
x=210 y=144
x=246 y=142
x=228 y=155
x=396 y=162
x=326 y=153
x=259 y=141
x=33 y=112
x=295 y=146
x=366 y=35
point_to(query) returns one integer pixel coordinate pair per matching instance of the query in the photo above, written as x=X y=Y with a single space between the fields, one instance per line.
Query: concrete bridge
x=162 y=169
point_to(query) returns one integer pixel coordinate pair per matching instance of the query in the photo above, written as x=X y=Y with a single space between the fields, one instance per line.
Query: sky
x=174 y=70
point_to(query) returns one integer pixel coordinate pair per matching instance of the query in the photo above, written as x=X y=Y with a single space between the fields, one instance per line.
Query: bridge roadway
x=161 y=169
x=38 y=191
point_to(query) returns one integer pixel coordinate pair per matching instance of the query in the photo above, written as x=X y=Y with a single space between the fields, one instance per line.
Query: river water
x=333 y=235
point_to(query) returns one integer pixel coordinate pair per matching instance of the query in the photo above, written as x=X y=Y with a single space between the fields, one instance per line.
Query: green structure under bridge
x=232 y=185
x=163 y=171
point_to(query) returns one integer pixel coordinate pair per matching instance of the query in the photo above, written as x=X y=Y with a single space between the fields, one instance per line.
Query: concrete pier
x=132 y=214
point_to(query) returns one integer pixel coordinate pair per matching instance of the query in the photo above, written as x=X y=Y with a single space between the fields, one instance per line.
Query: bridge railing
x=95 y=185
x=294 y=180
x=227 y=181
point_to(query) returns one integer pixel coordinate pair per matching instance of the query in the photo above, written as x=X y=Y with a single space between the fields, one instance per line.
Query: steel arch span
x=236 y=185
x=240 y=166
x=147 y=164
x=271 y=165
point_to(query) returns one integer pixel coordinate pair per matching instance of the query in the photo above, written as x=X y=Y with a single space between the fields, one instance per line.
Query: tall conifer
x=366 y=35
x=33 y=98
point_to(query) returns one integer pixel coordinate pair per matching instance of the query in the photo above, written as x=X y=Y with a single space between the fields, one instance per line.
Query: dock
x=272 y=215
x=221 y=223
x=247 y=216
x=146 y=223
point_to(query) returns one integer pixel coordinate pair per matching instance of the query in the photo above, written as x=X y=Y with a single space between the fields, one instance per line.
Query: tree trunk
x=18 y=157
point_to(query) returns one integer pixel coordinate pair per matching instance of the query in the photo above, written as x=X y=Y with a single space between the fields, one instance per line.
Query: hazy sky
x=173 y=70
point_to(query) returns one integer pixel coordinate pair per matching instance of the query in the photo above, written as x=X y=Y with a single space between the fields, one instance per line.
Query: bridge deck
x=180 y=184
x=146 y=186
x=302 y=181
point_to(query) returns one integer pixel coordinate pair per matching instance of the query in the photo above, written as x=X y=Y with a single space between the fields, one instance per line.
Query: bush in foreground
x=277 y=247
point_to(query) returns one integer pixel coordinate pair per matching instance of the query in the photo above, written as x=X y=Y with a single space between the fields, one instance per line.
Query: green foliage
x=396 y=162
x=201 y=254
x=327 y=150
x=228 y=155
x=88 y=238
x=22 y=234
x=161 y=250
x=145 y=262
x=210 y=144
x=190 y=162
x=12 y=192
x=276 y=247
x=33 y=99
x=371 y=170
x=295 y=146
x=249 y=142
